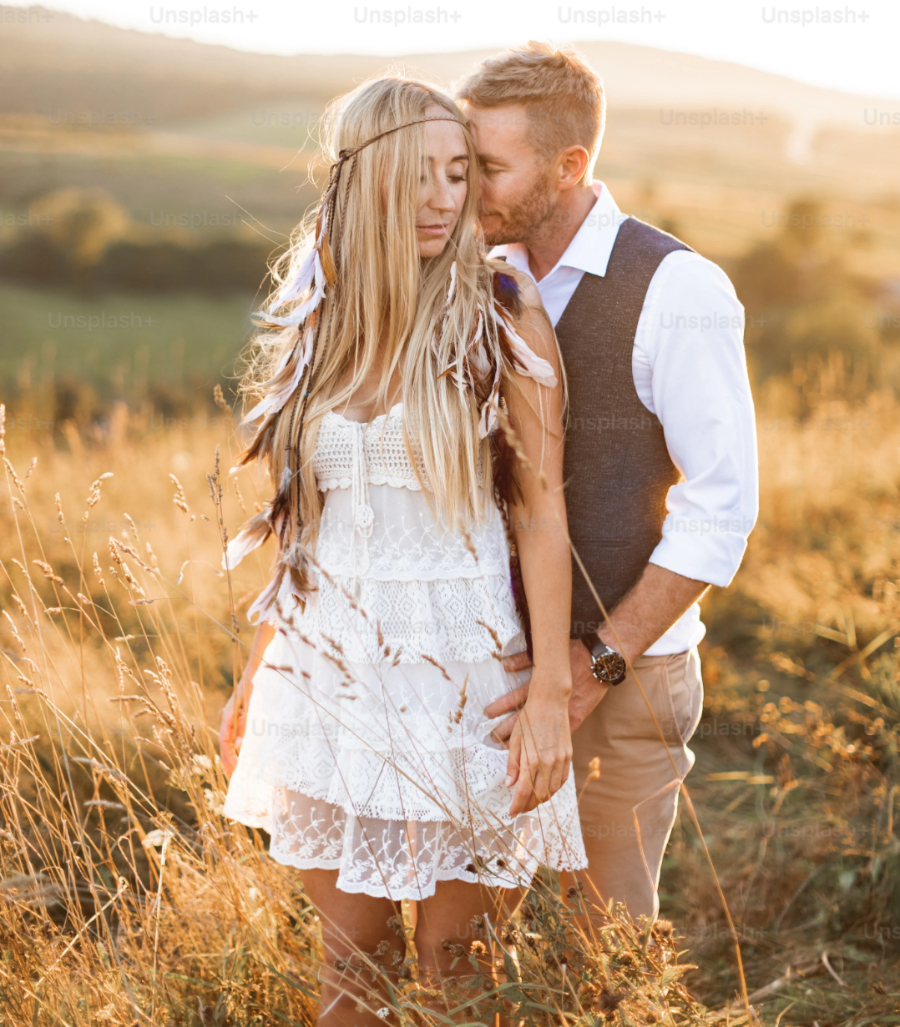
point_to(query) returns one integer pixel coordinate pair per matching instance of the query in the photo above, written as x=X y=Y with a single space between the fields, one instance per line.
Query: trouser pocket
x=685 y=692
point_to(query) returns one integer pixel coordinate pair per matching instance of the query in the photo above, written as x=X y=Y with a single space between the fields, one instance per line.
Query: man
x=660 y=464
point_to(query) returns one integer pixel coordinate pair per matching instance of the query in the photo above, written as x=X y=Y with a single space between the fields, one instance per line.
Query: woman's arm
x=540 y=747
x=234 y=713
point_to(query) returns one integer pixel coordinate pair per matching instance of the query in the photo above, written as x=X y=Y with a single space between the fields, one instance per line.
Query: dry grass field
x=125 y=897
x=123 y=890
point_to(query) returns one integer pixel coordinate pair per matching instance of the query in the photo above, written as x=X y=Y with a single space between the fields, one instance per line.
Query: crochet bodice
x=431 y=590
x=376 y=445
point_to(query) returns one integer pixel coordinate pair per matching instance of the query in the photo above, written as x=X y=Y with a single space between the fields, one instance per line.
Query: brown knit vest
x=617 y=469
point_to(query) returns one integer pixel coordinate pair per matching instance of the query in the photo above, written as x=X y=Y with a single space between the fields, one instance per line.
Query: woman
x=399 y=356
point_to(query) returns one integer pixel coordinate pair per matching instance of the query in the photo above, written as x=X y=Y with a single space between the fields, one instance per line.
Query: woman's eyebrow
x=453 y=160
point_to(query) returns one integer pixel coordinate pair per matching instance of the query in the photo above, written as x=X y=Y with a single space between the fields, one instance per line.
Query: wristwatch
x=607 y=665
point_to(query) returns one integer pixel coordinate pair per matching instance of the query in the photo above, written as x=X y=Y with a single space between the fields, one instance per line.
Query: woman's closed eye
x=423 y=179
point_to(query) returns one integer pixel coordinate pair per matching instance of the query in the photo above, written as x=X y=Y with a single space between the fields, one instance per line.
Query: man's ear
x=571 y=164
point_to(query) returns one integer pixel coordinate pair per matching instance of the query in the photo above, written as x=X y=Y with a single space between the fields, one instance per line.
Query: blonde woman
x=405 y=513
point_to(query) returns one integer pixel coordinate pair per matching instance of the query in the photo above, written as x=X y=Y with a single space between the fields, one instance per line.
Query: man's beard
x=520 y=223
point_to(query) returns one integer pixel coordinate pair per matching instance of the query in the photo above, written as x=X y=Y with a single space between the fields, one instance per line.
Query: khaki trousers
x=628 y=813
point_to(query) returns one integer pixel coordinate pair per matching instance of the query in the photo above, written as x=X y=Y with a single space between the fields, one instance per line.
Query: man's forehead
x=499 y=128
x=508 y=115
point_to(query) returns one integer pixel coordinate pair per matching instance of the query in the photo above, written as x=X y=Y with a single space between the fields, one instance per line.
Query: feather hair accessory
x=313 y=273
x=280 y=387
x=310 y=271
x=251 y=536
x=529 y=363
x=495 y=337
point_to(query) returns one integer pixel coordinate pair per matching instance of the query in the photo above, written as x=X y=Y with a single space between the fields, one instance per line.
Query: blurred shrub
x=800 y=300
x=86 y=239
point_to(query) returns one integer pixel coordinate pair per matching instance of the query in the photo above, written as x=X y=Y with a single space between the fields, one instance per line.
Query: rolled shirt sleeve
x=690 y=369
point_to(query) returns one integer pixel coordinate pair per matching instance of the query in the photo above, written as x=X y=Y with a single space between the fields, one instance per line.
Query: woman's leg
x=352 y=925
x=446 y=922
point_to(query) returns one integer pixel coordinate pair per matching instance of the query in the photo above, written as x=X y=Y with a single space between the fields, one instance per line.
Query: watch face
x=610 y=666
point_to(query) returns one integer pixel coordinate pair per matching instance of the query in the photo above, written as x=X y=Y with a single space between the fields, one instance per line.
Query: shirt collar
x=591 y=245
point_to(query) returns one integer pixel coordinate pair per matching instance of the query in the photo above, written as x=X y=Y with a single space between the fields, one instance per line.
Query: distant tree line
x=799 y=296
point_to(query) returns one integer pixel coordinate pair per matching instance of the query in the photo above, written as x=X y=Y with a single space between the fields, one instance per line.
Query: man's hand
x=587 y=692
x=233 y=728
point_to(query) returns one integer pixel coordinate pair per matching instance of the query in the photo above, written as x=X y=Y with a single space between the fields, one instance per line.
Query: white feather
x=531 y=364
x=297 y=315
x=319 y=273
x=277 y=593
x=282 y=364
x=308 y=267
x=309 y=270
x=239 y=547
x=264 y=600
x=488 y=420
x=276 y=400
x=458 y=373
x=298 y=283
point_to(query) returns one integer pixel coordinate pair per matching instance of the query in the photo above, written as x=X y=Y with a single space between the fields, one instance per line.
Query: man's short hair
x=562 y=95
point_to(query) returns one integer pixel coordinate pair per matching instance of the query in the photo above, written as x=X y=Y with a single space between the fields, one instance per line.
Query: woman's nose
x=441 y=196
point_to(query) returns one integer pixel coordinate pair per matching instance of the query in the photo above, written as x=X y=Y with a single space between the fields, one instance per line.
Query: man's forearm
x=652 y=606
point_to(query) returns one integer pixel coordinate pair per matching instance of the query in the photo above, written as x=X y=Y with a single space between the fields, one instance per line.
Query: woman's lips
x=433 y=229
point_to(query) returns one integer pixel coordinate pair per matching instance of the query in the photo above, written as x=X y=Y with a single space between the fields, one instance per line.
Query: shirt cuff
x=706 y=549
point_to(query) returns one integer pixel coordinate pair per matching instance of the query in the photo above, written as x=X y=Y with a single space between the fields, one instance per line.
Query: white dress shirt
x=689 y=370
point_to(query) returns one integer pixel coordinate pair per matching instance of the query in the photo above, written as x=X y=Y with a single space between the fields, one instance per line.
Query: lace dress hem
x=393 y=755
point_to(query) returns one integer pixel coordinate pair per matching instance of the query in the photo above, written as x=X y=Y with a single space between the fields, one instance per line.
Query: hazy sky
x=846 y=46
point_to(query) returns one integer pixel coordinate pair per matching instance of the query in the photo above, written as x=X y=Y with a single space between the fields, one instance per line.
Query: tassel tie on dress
x=363 y=514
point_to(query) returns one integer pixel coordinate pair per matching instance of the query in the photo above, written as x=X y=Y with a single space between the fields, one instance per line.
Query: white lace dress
x=366 y=749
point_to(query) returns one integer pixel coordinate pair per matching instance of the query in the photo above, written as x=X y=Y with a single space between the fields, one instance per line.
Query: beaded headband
x=352 y=151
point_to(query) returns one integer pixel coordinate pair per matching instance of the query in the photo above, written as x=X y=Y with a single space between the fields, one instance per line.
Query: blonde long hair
x=433 y=314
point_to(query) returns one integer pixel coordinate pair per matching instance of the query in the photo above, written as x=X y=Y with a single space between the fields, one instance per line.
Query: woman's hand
x=234 y=712
x=234 y=724
x=540 y=746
